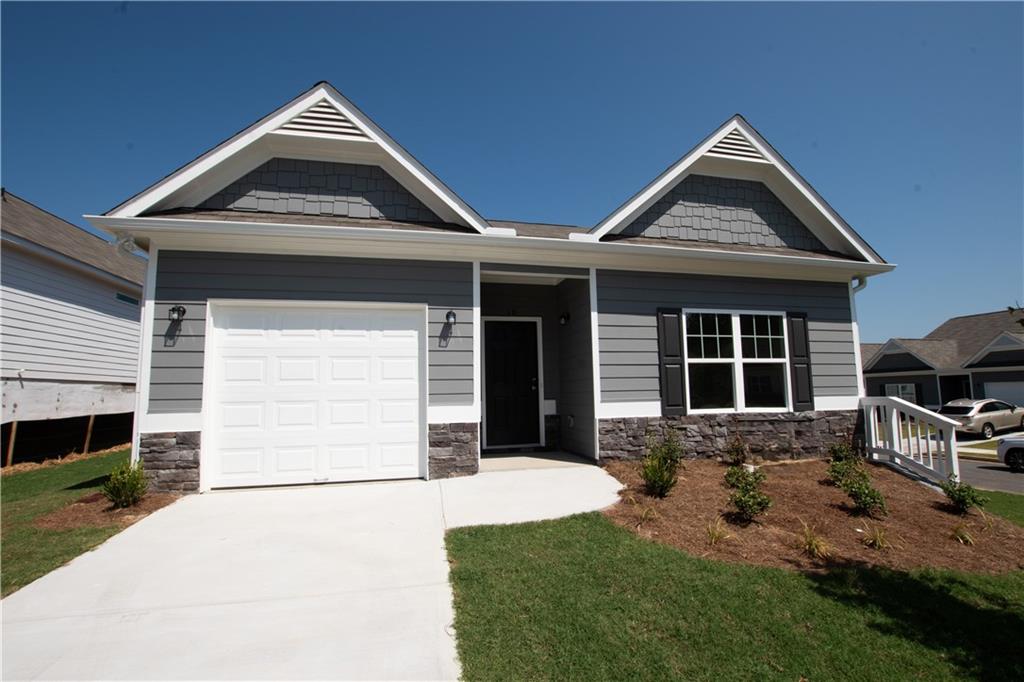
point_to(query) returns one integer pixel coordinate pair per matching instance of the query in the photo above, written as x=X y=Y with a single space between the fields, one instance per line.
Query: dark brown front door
x=511 y=383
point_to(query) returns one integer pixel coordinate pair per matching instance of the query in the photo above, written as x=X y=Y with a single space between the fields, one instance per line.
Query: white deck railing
x=910 y=436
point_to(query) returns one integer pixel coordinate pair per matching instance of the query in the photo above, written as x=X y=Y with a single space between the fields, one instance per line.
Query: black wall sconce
x=450 y=318
x=176 y=313
x=564 y=319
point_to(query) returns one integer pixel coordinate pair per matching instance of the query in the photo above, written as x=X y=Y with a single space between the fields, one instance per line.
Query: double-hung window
x=736 y=362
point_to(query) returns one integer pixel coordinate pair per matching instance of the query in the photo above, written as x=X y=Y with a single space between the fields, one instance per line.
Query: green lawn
x=28 y=552
x=582 y=599
x=1007 y=505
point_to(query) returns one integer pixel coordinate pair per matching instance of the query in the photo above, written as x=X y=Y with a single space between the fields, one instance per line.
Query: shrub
x=812 y=544
x=740 y=478
x=717 y=531
x=749 y=503
x=962 y=495
x=875 y=537
x=126 y=485
x=962 y=534
x=866 y=498
x=843 y=473
x=660 y=466
x=842 y=452
x=737 y=451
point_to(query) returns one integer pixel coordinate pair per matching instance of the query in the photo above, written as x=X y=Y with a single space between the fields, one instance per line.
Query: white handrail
x=911 y=436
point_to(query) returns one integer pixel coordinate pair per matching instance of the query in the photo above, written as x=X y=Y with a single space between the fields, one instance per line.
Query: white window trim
x=899 y=392
x=737 y=362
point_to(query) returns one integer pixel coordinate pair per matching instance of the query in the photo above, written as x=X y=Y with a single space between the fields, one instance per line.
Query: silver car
x=985 y=416
x=1011 y=453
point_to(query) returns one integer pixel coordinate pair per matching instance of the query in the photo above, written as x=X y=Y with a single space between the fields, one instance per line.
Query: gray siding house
x=972 y=356
x=70 y=307
x=320 y=307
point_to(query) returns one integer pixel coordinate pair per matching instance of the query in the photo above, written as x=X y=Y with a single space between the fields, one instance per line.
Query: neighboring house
x=320 y=307
x=70 y=305
x=973 y=356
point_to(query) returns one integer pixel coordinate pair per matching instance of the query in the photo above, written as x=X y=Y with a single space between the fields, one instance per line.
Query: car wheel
x=1015 y=460
x=988 y=431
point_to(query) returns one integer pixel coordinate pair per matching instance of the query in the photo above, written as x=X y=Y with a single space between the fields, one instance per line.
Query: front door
x=511 y=383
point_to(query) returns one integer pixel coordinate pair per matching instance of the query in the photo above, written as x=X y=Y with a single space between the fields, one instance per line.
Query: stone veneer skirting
x=171 y=461
x=454 y=449
x=769 y=435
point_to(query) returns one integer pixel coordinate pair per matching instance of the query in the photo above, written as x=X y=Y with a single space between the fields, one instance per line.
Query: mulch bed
x=95 y=510
x=56 y=461
x=919 y=524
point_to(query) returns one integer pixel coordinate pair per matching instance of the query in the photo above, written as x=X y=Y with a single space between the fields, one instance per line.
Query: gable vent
x=324 y=119
x=736 y=146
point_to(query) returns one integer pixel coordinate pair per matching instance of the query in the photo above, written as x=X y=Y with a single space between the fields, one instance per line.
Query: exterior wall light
x=564 y=319
x=176 y=314
x=450 y=318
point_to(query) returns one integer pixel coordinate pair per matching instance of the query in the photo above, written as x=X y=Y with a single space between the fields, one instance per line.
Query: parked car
x=1011 y=453
x=985 y=416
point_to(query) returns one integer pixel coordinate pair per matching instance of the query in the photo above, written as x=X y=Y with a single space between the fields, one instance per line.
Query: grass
x=580 y=598
x=1007 y=505
x=28 y=552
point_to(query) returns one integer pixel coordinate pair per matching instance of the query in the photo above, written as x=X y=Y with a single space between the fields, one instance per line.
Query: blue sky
x=906 y=117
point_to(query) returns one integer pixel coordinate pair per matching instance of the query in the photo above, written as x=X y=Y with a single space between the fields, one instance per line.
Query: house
x=972 y=356
x=70 y=305
x=320 y=307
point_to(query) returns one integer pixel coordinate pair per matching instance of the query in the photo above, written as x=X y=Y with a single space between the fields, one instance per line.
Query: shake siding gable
x=628 y=303
x=191 y=278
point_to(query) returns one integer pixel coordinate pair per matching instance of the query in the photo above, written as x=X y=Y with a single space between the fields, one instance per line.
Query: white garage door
x=1010 y=391
x=313 y=394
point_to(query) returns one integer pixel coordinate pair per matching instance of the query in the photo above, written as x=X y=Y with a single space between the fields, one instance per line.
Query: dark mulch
x=919 y=524
x=95 y=510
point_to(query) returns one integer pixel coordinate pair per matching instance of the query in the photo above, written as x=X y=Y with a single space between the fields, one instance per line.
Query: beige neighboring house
x=70 y=318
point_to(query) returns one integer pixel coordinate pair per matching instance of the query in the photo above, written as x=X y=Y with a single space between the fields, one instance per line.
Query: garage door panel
x=1008 y=391
x=318 y=395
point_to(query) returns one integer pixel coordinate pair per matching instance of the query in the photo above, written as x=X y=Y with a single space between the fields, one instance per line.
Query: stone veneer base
x=454 y=449
x=171 y=461
x=791 y=435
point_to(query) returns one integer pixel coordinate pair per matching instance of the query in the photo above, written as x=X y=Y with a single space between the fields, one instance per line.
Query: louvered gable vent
x=322 y=118
x=736 y=146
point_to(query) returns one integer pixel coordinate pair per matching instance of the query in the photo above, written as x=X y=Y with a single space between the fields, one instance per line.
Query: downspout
x=862 y=282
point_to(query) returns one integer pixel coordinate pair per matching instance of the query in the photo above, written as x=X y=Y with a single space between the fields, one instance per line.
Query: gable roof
x=32 y=224
x=320 y=123
x=737 y=150
x=867 y=352
x=958 y=341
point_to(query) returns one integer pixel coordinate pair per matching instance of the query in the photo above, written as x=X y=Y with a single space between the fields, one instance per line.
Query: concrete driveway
x=337 y=582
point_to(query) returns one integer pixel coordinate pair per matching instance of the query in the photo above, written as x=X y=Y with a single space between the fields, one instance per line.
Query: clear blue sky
x=907 y=118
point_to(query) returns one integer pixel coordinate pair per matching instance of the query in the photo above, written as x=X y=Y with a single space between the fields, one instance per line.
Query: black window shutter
x=800 y=363
x=670 y=361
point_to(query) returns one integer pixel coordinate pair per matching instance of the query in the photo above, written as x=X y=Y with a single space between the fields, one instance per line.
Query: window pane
x=778 y=349
x=693 y=324
x=747 y=325
x=748 y=347
x=725 y=347
x=776 y=325
x=764 y=385
x=693 y=349
x=710 y=347
x=711 y=386
x=763 y=348
x=724 y=325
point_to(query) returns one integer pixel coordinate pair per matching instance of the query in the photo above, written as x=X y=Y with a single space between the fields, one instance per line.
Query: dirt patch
x=919 y=525
x=47 y=463
x=95 y=510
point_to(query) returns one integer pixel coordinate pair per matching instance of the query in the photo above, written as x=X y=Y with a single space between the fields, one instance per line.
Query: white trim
x=167 y=422
x=856 y=342
x=662 y=184
x=145 y=351
x=207 y=442
x=894 y=347
x=249 y=237
x=983 y=370
x=737 y=362
x=539 y=325
x=595 y=359
x=477 y=414
x=518 y=273
x=207 y=162
x=452 y=414
x=647 y=408
x=926 y=373
x=550 y=407
x=836 y=402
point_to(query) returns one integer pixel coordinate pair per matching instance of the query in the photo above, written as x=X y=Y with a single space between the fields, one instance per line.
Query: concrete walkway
x=332 y=582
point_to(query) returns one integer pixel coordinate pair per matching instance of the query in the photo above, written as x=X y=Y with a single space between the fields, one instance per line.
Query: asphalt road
x=991 y=476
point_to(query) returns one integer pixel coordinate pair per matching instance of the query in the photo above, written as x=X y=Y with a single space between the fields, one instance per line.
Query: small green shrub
x=740 y=478
x=846 y=472
x=126 y=485
x=962 y=495
x=842 y=452
x=737 y=451
x=812 y=544
x=660 y=466
x=749 y=503
x=866 y=498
